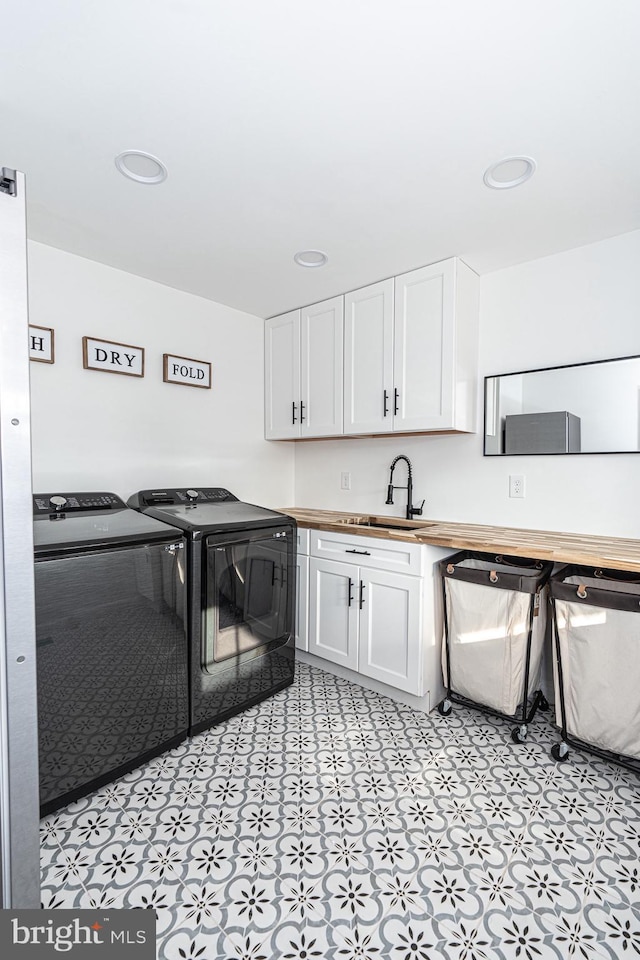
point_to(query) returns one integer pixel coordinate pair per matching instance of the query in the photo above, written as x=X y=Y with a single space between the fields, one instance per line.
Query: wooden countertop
x=614 y=552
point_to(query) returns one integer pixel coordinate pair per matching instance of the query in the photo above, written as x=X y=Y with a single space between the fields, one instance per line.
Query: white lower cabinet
x=390 y=629
x=367 y=620
x=302 y=603
x=302 y=590
x=375 y=609
x=333 y=611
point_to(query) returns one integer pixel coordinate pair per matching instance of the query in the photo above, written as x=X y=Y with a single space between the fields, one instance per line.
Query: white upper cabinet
x=303 y=372
x=321 y=352
x=368 y=359
x=411 y=352
x=435 y=348
x=282 y=377
x=409 y=363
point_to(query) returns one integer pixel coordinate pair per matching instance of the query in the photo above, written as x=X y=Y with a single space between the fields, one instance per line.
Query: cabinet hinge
x=8 y=183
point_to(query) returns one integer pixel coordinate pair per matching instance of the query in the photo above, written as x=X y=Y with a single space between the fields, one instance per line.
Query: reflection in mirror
x=579 y=408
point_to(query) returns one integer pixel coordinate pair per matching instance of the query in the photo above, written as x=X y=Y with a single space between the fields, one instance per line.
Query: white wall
x=576 y=306
x=100 y=431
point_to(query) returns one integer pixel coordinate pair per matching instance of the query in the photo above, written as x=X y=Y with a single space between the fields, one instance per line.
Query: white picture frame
x=41 y=344
x=112 y=357
x=186 y=371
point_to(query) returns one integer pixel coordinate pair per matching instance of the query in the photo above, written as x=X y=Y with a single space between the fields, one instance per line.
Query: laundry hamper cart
x=596 y=636
x=494 y=630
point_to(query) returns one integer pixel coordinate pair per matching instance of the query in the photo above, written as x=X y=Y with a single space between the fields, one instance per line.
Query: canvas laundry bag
x=597 y=629
x=491 y=604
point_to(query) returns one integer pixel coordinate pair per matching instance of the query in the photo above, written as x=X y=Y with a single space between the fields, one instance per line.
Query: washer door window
x=247 y=590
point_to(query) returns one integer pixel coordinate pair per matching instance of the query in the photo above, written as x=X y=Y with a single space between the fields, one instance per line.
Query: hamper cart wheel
x=519 y=734
x=444 y=707
x=560 y=751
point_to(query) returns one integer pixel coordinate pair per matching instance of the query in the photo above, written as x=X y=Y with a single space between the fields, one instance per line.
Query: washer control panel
x=186 y=495
x=48 y=503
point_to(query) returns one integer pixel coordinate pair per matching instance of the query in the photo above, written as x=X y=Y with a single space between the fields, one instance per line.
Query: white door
x=391 y=630
x=302 y=603
x=321 y=352
x=19 y=801
x=423 y=348
x=368 y=359
x=282 y=377
x=333 y=611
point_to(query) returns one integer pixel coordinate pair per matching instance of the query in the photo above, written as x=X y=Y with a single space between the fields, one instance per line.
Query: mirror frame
x=562 y=366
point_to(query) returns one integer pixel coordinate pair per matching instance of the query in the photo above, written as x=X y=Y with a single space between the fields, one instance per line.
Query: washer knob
x=58 y=502
x=192 y=494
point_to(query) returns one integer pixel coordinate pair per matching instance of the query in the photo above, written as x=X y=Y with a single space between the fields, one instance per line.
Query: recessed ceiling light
x=140 y=166
x=510 y=172
x=311 y=258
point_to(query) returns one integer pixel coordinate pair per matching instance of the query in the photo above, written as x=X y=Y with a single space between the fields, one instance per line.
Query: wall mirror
x=578 y=408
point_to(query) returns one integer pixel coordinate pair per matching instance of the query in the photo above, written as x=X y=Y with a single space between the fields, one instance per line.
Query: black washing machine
x=241 y=574
x=112 y=659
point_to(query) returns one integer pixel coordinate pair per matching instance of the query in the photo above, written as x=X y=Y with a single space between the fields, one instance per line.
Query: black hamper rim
x=529 y=574
x=596 y=596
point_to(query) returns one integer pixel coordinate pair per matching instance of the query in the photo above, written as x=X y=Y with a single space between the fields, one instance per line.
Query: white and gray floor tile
x=330 y=823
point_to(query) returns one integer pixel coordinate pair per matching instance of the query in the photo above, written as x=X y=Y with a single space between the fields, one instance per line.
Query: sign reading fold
x=192 y=373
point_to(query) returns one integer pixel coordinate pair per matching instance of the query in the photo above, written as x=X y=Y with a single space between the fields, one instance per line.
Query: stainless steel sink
x=386 y=523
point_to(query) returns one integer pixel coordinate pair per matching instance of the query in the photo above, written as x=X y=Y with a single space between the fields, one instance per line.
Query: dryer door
x=248 y=594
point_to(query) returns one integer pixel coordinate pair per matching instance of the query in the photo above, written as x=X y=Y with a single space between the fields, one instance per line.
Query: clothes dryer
x=241 y=575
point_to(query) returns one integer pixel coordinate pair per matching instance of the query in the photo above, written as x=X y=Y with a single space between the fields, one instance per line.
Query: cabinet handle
x=350 y=594
x=385 y=405
x=302 y=417
x=361 y=594
x=396 y=396
x=364 y=553
x=293 y=411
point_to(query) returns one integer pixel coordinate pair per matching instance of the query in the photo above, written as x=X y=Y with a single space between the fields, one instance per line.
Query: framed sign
x=112 y=357
x=41 y=344
x=193 y=373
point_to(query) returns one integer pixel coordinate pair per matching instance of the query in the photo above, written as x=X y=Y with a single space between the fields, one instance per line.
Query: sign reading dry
x=112 y=357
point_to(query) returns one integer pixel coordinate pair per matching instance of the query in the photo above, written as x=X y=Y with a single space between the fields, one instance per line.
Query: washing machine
x=241 y=575
x=112 y=659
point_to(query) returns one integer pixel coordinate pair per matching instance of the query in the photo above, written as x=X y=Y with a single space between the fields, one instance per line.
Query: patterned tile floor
x=329 y=822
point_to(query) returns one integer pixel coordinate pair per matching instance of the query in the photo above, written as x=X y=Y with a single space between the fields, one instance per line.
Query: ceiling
x=358 y=127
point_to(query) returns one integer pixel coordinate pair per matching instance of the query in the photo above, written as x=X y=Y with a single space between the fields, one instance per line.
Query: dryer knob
x=58 y=503
x=192 y=494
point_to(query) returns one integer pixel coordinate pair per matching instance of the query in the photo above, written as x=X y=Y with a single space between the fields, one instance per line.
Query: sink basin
x=386 y=523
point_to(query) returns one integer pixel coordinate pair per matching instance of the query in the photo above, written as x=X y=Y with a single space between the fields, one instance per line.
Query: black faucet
x=411 y=510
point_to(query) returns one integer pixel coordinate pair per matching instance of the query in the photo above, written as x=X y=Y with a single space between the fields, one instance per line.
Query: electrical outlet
x=516 y=486
x=345 y=480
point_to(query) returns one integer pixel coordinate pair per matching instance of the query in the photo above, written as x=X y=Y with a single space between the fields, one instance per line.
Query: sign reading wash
x=41 y=344
x=83 y=934
x=112 y=357
x=194 y=373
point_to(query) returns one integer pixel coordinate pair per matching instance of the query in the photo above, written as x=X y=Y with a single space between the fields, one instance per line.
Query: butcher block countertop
x=614 y=552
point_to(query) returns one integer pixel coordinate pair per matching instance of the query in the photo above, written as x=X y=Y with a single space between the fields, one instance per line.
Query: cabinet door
x=302 y=603
x=282 y=377
x=321 y=352
x=423 y=348
x=333 y=611
x=390 y=631
x=368 y=359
